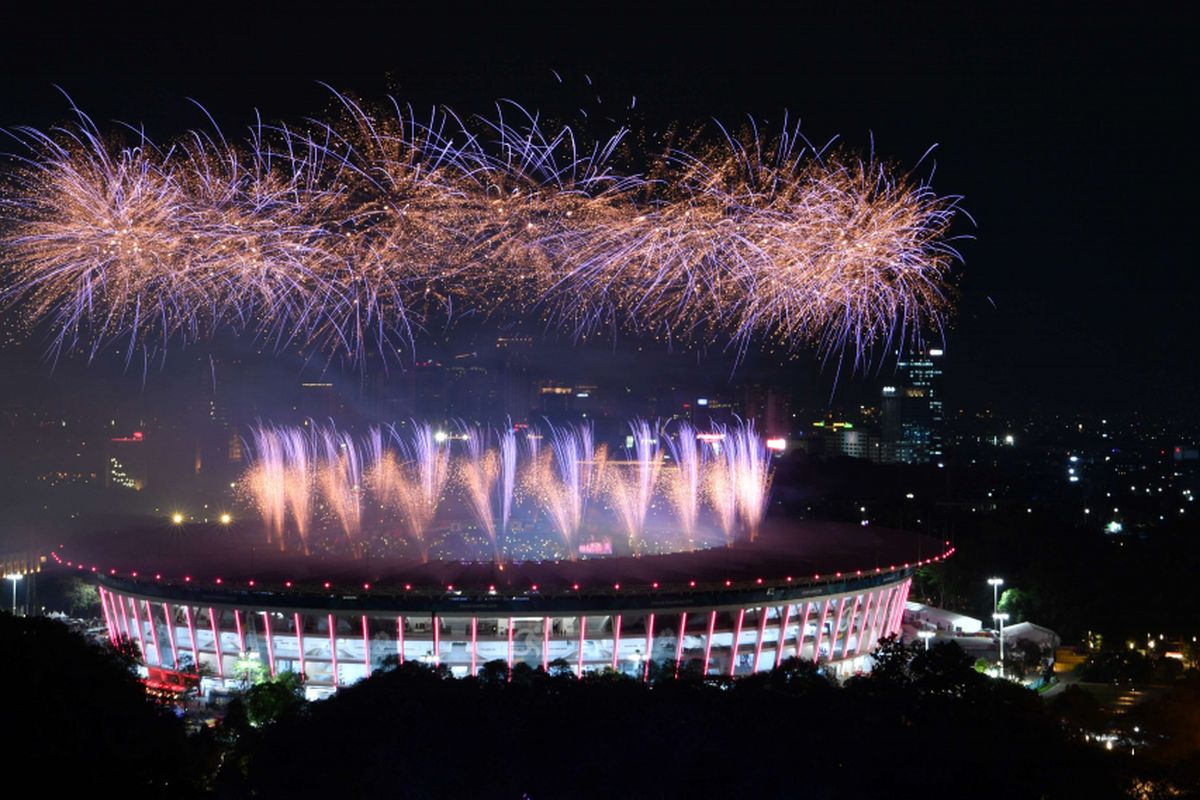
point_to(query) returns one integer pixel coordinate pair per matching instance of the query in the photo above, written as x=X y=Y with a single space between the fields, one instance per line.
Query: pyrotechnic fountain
x=633 y=483
x=478 y=472
x=293 y=467
x=684 y=476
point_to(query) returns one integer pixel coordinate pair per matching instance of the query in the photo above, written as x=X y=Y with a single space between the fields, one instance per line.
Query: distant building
x=125 y=462
x=912 y=416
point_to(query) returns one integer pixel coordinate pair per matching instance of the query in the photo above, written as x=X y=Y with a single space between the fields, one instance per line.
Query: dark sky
x=1071 y=136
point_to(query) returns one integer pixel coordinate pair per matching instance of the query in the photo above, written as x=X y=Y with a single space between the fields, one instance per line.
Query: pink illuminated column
x=545 y=644
x=510 y=648
x=474 y=643
x=237 y=623
x=837 y=628
x=881 y=610
x=154 y=633
x=898 y=615
x=737 y=635
x=124 y=616
x=212 y=621
x=300 y=643
x=762 y=631
x=400 y=639
x=803 y=630
x=582 y=631
x=649 y=648
x=187 y=614
x=112 y=631
x=679 y=642
x=171 y=635
x=616 y=640
x=137 y=621
x=820 y=631
x=782 y=637
x=333 y=648
x=366 y=646
x=712 y=625
x=270 y=641
x=864 y=625
x=850 y=626
x=437 y=639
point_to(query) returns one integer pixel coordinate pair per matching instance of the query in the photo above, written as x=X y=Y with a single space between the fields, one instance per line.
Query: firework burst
x=356 y=234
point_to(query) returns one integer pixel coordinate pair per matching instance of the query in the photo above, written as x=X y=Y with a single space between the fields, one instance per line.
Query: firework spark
x=357 y=234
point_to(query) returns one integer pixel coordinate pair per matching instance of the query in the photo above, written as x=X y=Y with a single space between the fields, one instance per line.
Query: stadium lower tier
x=838 y=625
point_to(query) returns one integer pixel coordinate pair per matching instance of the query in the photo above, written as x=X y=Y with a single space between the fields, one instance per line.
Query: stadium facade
x=724 y=612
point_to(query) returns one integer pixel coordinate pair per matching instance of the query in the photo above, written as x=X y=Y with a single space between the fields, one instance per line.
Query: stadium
x=204 y=611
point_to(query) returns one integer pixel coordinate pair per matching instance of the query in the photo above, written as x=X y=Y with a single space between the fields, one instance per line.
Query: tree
x=82 y=598
x=77 y=711
x=1017 y=603
x=275 y=699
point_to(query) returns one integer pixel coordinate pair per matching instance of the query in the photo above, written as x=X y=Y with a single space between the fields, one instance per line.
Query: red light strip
x=237 y=623
x=821 y=631
x=616 y=641
x=153 y=633
x=212 y=620
x=474 y=643
x=510 y=648
x=782 y=637
x=366 y=646
x=649 y=648
x=333 y=648
x=862 y=624
x=187 y=614
x=679 y=642
x=137 y=620
x=171 y=634
x=712 y=624
x=300 y=643
x=802 y=631
x=582 y=631
x=545 y=644
x=762 y=630
x=837 y=628
x=737 y=635
x=850 y=626
x=437 y=639
x=400 y=639
x=270 y=641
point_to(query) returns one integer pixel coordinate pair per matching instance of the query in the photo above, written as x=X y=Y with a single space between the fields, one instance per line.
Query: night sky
x=1070 y=136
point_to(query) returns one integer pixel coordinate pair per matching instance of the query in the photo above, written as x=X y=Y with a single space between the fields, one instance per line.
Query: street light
x=1000 y=618
x=14 y=577
x=926 y=635
x=177 y=518
x=995 y=583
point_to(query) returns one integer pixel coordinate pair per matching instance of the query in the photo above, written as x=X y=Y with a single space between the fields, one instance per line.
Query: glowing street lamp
x=14 y=577
x=995 y=583
x=226 y=518
x=177 y=518
x=926 y=635
x=1000 y=618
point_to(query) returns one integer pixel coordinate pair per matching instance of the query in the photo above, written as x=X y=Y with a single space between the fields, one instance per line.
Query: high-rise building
x=912 y=416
